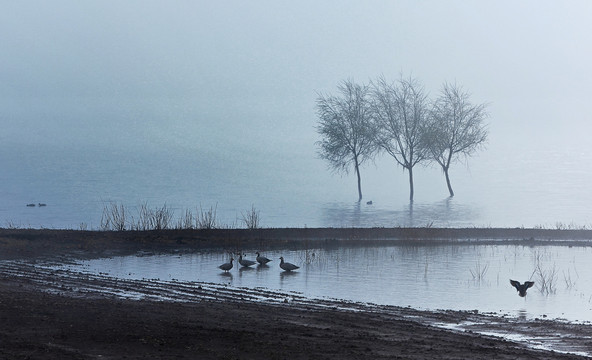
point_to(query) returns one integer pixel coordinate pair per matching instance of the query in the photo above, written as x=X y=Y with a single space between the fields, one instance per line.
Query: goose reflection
x=287 y=274
x=262 y=267
x=245 y=268
x=226 y=275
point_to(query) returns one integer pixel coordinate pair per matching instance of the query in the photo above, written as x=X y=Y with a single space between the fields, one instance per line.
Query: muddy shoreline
x=51 y=313
x=28 y=243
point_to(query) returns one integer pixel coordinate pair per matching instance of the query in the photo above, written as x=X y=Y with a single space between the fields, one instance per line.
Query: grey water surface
x=537 y=188
x=458 y=277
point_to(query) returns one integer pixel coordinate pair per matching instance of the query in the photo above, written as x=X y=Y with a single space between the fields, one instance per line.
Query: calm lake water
x=459 y=277
x=504 y=186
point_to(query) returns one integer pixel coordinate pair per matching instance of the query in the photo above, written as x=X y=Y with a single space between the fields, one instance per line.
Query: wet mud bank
x=27 y=243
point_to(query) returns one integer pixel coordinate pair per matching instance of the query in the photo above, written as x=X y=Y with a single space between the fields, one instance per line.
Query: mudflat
x=57 y=314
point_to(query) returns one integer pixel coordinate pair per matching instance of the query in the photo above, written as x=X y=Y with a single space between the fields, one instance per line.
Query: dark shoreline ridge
x=15 y=243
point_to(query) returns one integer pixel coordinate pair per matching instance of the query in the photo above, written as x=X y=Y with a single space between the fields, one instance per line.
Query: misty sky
x=207 y=75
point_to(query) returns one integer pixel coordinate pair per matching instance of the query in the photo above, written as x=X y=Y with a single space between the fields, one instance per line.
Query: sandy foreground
x=48 y=312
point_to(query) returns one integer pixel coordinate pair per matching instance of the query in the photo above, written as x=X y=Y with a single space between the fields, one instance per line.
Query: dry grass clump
x=117 y=217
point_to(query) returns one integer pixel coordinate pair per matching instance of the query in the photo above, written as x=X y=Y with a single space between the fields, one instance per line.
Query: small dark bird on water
x=262 y=259
x=521 y=287
x=226 y=266
x=287 y=266
x=245 y=262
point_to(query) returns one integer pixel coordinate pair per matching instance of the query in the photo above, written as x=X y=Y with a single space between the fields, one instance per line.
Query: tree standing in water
x=346 y=129
x=456 y=128
x=401 y=115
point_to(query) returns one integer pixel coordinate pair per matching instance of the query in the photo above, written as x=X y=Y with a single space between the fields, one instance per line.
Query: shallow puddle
x=452 y=276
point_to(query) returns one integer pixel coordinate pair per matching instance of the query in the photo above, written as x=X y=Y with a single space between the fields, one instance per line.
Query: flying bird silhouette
x=521 y=287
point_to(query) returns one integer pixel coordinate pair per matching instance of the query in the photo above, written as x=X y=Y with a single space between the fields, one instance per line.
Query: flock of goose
x=286 y=266
x=262 y=260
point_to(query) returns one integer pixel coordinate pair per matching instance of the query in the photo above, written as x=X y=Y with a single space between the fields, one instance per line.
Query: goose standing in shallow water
x=226 y=266
x=262 y=259
x=245 y=262
x=521 y=287
x=287 y=266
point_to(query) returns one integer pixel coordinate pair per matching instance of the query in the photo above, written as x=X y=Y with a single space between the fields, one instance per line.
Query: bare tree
x=401 y=115
x=456 y=128
x=346 y=128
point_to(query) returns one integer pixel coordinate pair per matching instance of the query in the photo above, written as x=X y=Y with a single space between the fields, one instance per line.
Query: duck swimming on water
x=287 y=266
x=261 y=259
x=521 y=287
x=226 y=266
x=245 y=262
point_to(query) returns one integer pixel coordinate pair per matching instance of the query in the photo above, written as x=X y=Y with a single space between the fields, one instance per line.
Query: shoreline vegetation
x=118 y=217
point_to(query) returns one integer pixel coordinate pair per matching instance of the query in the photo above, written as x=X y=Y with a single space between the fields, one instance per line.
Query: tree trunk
x=359 y=181
x=410 y=183
x=448 y=181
